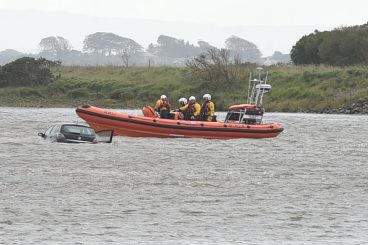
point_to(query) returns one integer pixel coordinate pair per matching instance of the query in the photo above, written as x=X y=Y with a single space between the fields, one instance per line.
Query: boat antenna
x=263 y=90
x=250 y=79
x=259 y=69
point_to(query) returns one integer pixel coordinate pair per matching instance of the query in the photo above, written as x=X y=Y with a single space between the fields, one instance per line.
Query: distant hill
x=10 y=55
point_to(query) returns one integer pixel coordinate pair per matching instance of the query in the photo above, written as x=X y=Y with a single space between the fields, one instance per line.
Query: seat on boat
x=148 y=111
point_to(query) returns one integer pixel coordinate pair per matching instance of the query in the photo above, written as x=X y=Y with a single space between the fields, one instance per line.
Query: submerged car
x=75 y=133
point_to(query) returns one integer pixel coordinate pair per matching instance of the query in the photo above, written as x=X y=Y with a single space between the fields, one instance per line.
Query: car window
x=88 y=131
x=75 y=129
x=55 y=129
x=48 y=131
x=105 y=136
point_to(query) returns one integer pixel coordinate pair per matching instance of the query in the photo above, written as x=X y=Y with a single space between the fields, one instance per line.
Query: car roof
x=72 y=124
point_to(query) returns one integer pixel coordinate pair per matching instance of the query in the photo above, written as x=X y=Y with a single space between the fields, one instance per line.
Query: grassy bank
x=294 y=89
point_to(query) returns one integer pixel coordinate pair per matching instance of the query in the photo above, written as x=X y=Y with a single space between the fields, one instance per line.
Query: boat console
x=252 y=112
x=247 y=114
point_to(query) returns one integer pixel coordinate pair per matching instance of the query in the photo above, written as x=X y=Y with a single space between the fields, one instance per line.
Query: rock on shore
x=355 y=108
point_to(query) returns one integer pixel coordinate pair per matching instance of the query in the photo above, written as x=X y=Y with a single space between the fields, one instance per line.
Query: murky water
x=307 y=186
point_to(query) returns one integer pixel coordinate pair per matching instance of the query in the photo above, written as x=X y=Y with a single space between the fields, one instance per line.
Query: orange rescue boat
x=242 y=121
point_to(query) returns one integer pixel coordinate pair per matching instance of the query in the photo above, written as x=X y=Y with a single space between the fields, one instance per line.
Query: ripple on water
x=307 y=186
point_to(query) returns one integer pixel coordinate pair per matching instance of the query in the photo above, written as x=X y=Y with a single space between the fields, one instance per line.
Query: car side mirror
x=41 y=135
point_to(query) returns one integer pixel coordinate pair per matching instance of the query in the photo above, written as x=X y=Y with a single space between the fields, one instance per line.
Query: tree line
x=342 y=46
x=108 y=47
x=103 y=48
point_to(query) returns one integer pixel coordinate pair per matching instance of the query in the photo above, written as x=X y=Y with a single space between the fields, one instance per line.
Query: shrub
x=26 y=71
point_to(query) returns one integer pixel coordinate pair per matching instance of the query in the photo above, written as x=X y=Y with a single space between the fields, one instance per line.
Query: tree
x=341 y=47
x=108 y=44
x=214 y=65
x=27 y=71
x=151 y=49
x=126 y=57
x=306 y=50
x=173 y=48
x=54 y=47
x=204 y=46
x=345 y=46
x=243 y=49
x=279 y=57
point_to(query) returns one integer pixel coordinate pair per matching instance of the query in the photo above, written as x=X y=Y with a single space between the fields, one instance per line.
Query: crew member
x=163 y=107
x=182 y=102
x=192 y=109
x=208 y=108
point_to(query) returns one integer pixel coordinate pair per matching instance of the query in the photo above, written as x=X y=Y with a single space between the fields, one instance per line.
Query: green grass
x=316 y=88
x=301 y=88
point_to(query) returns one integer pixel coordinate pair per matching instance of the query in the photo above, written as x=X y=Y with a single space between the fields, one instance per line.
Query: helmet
x=163 y=97
x=207 y=97
x=192 y=98
x=183 y=101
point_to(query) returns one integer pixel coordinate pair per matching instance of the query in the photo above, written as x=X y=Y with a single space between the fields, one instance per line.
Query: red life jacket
x=165 y=105
x=191 y=109
x=205 y=107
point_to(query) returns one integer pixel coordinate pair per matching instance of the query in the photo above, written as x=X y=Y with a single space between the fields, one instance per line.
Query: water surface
x=307 y=186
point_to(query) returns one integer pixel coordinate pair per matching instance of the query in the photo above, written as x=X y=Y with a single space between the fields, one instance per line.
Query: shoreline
x=354 y=109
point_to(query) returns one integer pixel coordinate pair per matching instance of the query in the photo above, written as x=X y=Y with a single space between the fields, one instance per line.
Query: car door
x=47 y=133
x=105 y=136
x=51 y=135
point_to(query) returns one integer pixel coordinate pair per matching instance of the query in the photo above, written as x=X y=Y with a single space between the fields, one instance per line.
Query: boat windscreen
x=233 y=116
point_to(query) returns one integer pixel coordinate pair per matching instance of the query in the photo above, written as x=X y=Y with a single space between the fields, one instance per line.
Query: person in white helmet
x=163 y=107
x=192 y=109
x=208 y=108
x=182 y=102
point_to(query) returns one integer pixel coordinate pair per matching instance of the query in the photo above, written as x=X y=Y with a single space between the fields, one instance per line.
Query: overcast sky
x=224 y=16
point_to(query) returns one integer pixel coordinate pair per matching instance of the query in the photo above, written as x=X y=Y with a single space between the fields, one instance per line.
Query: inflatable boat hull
x=140 y=126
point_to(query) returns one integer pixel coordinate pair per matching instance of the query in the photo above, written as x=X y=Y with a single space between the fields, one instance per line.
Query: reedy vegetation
x=294 y=89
